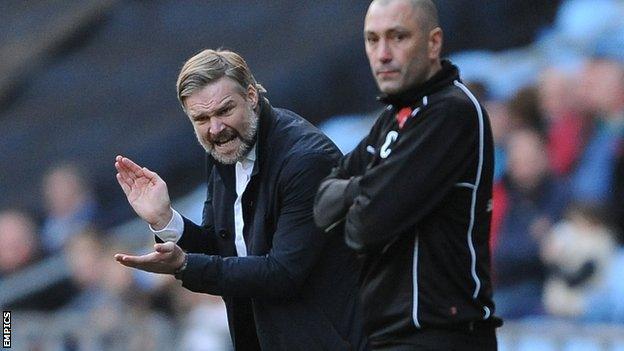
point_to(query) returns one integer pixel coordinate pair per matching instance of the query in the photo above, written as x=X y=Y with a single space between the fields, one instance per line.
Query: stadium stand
x=84 y=80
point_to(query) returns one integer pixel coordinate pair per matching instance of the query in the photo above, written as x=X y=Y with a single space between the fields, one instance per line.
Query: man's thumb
x=164 y=247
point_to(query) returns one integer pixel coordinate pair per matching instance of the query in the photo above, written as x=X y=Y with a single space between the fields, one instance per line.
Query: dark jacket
x=296 y=289
x=416 y=204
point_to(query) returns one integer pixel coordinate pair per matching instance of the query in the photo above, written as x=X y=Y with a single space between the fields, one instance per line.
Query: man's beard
x=245 y=139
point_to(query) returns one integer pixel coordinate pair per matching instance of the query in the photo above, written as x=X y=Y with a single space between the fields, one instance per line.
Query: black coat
x=415 y=201
x=296 y=289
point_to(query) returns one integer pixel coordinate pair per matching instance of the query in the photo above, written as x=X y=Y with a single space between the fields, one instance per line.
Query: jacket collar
x=265 y=123
x=413 y=95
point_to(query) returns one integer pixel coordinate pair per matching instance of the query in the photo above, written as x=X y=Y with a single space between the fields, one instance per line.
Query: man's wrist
x=178 y=272
x=163 y=221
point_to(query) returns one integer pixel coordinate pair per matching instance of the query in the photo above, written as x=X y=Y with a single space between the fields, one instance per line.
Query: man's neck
x=435 y=68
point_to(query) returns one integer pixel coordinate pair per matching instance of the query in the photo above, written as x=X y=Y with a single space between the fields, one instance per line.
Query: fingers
x=120 y=257
x=130 y=171
x=121 y=165
x=162 y=253
x=127 y=167
x=155 y=262
x=153 y=176
x=125 y=185
x=123 y=260
x=143 y=262
x=164 y=247
x=151 y=257
x=127 y=262
x=126 y=173
x=128 y=163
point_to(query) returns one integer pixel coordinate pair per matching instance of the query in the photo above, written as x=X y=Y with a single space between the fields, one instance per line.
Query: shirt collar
x=249 y=159
x=251 y=155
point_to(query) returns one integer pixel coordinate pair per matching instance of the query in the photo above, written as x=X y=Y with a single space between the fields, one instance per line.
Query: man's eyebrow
x=397 y=30
x=391 y=30
x=198 y=116
x=225 y=104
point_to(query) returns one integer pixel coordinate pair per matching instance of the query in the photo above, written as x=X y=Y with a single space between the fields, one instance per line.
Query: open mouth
x=225 y=142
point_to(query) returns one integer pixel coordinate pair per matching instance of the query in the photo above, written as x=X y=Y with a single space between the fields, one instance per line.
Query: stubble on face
x=236 y=144
x=224 y=119
x=396 y=45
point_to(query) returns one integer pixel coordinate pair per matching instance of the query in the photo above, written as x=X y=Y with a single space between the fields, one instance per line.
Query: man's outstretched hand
x=166 y=258
x=146 y=192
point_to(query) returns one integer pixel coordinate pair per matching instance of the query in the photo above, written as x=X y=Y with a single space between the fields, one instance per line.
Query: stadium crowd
x=558 y=211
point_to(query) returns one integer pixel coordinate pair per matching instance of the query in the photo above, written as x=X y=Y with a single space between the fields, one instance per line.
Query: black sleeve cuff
x=333 y=200
x=352 y=190
x=201 y=274
x=329 y=204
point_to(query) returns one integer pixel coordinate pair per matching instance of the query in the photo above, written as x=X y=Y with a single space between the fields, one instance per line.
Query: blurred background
x=83 y=81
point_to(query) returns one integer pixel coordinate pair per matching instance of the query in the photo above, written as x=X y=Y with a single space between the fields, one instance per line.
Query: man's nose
x=216 y=126
x=384 y=53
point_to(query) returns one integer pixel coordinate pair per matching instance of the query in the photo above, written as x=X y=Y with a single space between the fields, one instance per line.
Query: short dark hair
x=426 y=10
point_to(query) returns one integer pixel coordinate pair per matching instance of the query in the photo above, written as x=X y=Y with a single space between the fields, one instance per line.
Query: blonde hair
x=209 y=66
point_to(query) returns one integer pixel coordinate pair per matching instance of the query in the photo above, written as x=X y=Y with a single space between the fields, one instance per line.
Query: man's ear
x=435 y=43
x=252 y=95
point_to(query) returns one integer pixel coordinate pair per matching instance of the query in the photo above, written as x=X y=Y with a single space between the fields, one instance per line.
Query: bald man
x=414 y=197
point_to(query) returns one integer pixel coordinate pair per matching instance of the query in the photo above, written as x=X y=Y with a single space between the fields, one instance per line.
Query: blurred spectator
x=525 y=205
x=69 y=203
x=577 y=253
x=98 y=278
x=204 y=322
x=567 y=127
x=19 y=241
x=524 y=111
x=83 y=253
x=616 y=203
x=598 y=172
x=107 y=295
x=477 y=88
x=499 y=121
x=607 y=304
x=21 y=250
x=119 y=300
x=603 y=94
x=597 y=179
x=118 y=283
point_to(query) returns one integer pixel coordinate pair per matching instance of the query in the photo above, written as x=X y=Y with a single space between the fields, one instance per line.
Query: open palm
x=166 y=258
x=146 y=192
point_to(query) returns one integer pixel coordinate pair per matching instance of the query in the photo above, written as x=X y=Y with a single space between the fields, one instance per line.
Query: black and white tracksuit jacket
x=416 y=202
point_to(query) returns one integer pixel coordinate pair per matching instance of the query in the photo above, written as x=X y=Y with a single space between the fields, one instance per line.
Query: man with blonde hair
x=286 y=286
